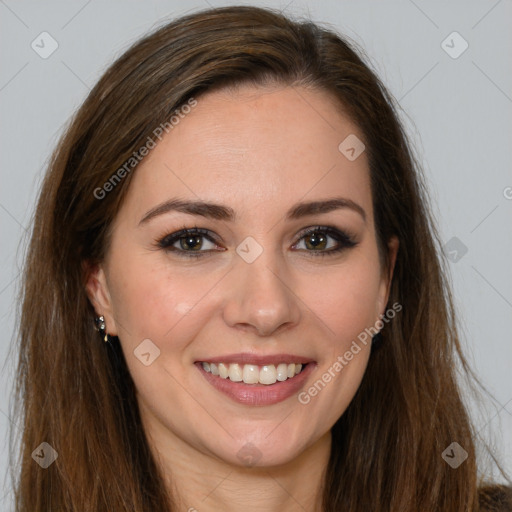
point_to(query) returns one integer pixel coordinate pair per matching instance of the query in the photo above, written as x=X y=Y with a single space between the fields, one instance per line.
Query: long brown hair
x=75 y=392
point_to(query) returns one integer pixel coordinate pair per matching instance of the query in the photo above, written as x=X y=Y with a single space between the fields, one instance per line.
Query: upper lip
x=258 y=360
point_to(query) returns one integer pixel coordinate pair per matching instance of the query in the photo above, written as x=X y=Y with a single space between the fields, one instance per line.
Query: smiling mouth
x=254 y=374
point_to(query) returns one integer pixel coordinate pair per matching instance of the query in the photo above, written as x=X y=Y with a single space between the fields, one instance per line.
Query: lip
x=258 y=394
x=259 y=360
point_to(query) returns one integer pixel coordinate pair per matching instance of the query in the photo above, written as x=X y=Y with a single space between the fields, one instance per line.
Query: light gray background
x=458 y=113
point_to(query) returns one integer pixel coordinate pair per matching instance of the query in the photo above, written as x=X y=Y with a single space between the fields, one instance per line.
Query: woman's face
x=252 y=294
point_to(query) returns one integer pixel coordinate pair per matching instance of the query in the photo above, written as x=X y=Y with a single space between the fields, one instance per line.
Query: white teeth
x=282 y=372
x=223 y=371
x=268 y=374
x=253 y=374
x=235 y=372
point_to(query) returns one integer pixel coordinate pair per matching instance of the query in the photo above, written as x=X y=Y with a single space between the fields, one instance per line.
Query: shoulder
x=495 y=498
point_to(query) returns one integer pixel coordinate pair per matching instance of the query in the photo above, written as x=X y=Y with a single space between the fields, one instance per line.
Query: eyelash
x=344 y=240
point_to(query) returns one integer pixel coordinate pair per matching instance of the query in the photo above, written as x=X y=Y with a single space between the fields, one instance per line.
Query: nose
x=260 y=297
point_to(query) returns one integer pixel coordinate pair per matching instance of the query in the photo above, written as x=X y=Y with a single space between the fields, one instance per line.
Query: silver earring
x=101 y=327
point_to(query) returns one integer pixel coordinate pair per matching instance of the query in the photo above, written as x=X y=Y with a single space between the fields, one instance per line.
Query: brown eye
x=191 y=242
x=188 y=242
x=317 y=241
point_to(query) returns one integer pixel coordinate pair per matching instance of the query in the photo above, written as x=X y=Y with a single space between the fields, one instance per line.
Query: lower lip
x=258 y=394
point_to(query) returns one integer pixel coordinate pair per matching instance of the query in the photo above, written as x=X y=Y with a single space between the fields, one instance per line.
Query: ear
x=387 y=275
x=97 y=290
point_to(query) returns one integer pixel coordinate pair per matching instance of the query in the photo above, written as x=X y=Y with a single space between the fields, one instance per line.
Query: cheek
x=150 y=299
x=346 y=303
x=345 y=299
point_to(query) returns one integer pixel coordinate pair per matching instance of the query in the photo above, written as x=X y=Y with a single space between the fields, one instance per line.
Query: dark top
x=495 y=498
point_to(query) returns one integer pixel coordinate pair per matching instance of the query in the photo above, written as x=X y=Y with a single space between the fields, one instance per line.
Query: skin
x=259 y=151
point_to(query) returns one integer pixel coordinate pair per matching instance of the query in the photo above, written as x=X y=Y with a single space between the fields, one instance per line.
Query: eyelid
x=165 y=241
x=330 y=230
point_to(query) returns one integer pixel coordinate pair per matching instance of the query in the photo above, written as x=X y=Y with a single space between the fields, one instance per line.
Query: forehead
x=254 y=147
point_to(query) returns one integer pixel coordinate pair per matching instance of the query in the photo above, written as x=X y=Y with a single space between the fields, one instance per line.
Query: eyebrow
x=225 y=213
